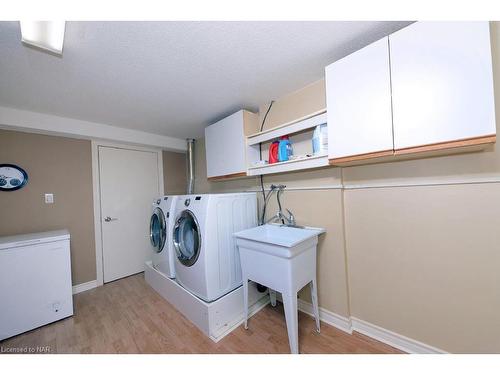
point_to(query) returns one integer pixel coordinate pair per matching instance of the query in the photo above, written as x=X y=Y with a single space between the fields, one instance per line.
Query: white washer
x=207 y=261
x=160 y=232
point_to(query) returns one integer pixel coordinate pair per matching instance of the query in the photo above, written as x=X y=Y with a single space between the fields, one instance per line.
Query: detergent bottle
x=273 y=152
x=284 y=149
x=320 y=140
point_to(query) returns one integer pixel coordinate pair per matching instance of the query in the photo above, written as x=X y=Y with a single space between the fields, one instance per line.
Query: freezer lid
x=9 y=242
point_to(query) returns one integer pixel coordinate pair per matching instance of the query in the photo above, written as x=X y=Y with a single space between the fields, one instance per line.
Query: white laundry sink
x=284 y=240
x=283 y=259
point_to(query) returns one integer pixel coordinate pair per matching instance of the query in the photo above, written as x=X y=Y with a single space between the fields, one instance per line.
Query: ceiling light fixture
x=47 y=35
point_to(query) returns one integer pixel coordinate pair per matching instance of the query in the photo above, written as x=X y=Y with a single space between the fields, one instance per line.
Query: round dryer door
x=157 y=230
x=187 y=238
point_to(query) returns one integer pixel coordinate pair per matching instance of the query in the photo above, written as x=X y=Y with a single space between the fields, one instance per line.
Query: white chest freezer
x=35 y=281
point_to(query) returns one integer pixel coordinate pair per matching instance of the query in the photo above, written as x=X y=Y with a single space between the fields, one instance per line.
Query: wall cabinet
x=442 y=85
x=425 y=88
x=225 y=142
x=358 y=97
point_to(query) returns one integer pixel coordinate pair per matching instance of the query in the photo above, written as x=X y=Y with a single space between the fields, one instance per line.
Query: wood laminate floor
x=128 y=316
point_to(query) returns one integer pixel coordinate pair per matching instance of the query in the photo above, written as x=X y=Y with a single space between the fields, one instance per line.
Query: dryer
x=160 y=232
x=206 y=257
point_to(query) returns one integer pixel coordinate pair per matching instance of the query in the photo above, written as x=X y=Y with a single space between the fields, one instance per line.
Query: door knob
x=107 y=219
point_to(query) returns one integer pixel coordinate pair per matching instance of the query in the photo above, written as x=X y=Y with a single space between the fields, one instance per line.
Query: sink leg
x=272 y=296
x=314 y=297
x=245 y=301
x=292 y=324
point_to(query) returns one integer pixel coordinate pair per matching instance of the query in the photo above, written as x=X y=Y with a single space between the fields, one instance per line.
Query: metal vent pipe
x=190 y=166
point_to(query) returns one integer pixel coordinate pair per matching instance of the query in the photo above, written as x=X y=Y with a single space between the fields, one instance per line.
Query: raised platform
x=216 y=319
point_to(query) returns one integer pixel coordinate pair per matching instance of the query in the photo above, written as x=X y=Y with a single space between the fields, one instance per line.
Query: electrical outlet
x=49 y=198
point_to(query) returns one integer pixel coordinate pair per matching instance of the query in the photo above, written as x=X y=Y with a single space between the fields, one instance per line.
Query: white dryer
x=207 y=260
x=160 y=232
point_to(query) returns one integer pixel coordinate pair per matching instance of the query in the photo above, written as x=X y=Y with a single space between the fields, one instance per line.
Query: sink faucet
x=282 y=218
x=290 y=220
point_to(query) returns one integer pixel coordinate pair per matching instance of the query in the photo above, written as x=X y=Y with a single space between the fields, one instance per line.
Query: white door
x=129 y=182
x=358 y=94
x=442 y=83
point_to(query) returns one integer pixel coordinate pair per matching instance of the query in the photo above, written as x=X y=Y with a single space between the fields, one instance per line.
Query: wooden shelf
x=303 y=123
x=315 y=161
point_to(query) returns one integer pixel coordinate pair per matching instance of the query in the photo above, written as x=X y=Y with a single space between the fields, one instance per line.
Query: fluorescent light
x=48 y=35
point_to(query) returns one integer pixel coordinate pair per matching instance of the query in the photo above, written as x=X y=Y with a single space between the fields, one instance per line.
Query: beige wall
x=61 y=166
x=299 y=103
x=422 y=261
x=174 y=172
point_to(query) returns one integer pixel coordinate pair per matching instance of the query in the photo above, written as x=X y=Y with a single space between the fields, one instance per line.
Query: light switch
x=49 y=198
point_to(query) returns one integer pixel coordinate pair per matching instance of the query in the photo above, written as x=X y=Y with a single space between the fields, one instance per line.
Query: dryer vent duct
x=190 y=166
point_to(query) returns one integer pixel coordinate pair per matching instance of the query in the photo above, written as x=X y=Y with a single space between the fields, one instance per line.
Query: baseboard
x=85 y=286
x=349 y=325
x=338 y=321
x=393 y=339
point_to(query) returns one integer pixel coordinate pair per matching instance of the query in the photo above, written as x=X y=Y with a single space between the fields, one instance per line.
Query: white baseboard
x=393 y=339
x=85 y=286
x=351 y=324
x=338 y=321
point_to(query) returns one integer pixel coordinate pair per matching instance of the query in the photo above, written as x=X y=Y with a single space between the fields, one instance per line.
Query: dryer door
x=187 y=238
x=157 y=230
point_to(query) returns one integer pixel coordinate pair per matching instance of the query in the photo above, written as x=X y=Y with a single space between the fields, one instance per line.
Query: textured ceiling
x=172 y=78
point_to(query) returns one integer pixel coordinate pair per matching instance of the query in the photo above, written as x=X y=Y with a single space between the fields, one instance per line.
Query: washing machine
x=207 y=260
x=160 y=233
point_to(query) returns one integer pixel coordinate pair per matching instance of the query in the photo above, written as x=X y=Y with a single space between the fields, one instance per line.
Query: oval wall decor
x=12 y=177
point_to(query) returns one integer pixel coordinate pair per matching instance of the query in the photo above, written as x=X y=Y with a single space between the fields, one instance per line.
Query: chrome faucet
x=290 y=220
x=280 y=217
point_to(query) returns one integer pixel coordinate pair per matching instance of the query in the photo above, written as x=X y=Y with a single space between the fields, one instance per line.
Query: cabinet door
x=225 y=147
x=358 y=94
x=442 y=84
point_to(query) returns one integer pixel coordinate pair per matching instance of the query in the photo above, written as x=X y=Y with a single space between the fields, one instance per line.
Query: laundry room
x=191 y=184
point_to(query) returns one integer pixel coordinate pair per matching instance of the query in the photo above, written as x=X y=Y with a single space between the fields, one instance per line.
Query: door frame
x=96 y=183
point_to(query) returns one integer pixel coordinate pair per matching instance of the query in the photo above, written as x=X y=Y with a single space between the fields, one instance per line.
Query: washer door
x=157 y=230
x=187 y=238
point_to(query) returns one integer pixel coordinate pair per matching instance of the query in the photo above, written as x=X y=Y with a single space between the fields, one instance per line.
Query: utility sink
x=285 y=240
x=283 y=258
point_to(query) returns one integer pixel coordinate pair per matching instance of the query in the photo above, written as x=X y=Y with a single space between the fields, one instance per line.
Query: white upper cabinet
x=442 y=85
x=358 y=96
x=225 y=144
